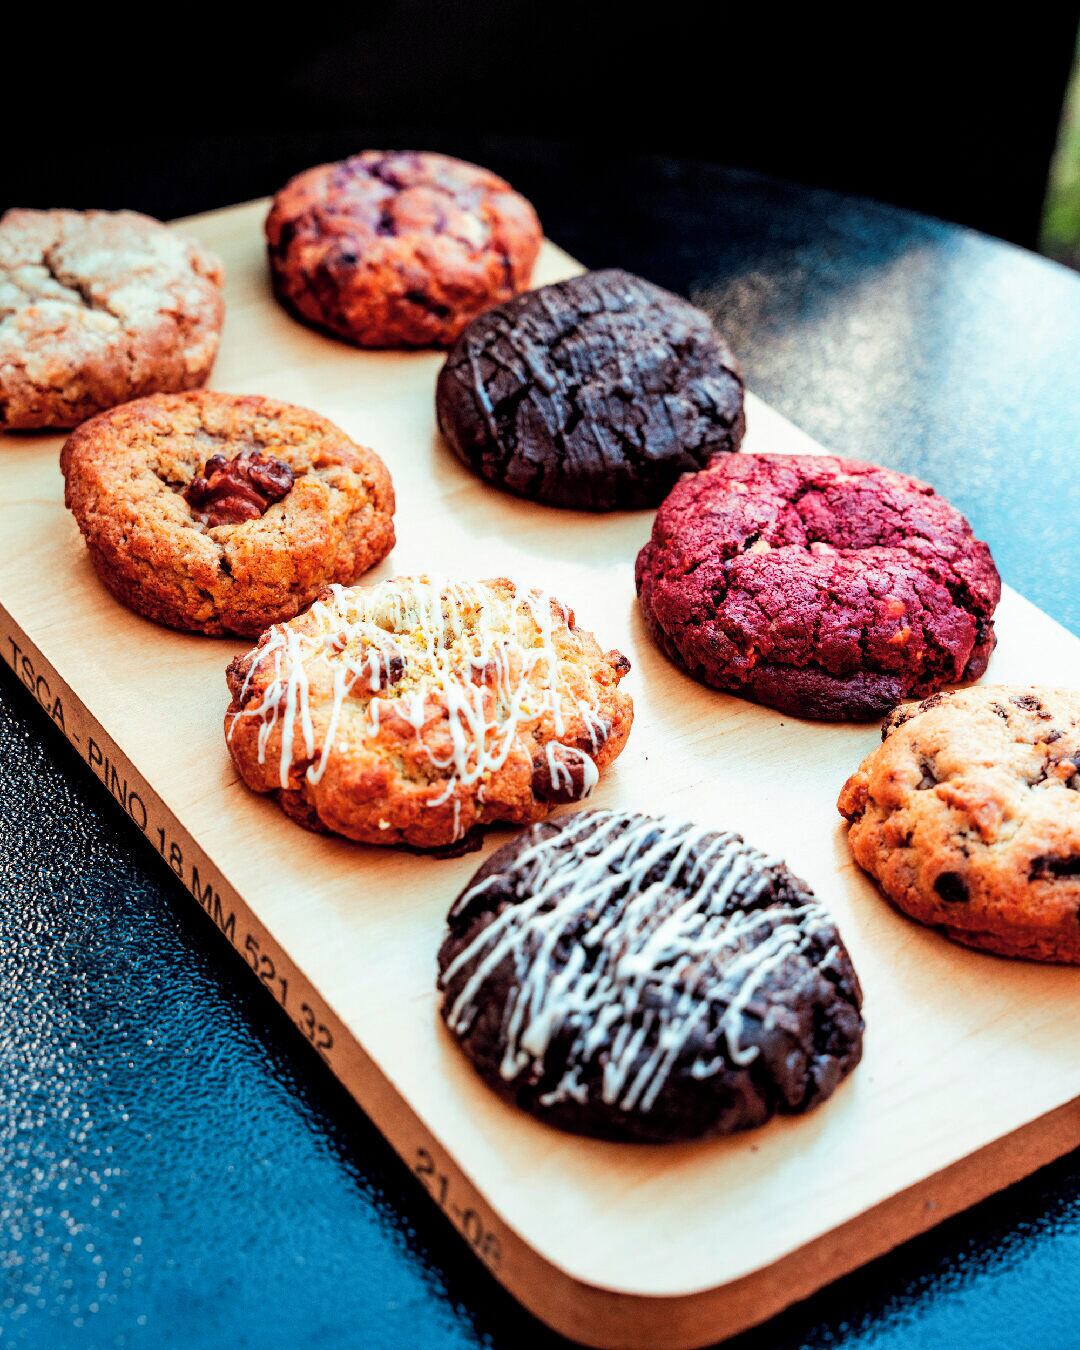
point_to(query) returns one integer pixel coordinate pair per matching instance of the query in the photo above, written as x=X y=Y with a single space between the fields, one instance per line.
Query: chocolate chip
x=379 y=669
x=391 y=668
x=1048 y=868
x=428 y=303
x=560 y=775
x=929 y=778
x=484 y=672
x=595 y=737
x=951 y=887
x=1029 y=703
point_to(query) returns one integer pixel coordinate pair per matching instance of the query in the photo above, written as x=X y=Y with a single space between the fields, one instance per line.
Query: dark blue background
x=176 y=1167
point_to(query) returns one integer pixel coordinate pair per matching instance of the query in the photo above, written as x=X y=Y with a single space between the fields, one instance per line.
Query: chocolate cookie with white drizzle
x=643 y=978
x=418 y=710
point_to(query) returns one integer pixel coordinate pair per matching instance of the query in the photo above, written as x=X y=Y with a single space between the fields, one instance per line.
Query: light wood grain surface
x=972 y=1064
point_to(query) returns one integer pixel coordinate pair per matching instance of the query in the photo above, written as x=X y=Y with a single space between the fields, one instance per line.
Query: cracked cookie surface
x=222 y=513
x=98 y=307
x=398 y=249
x=418 y=710
x=636 y=977
x=968 y=817
x=595 y=393
x=824 y=587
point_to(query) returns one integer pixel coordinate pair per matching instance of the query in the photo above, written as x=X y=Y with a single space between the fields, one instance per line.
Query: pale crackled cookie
x=644 y=978
x=224 y=513
x=968 y=817
x=416 y=711
x=98 y=307
x=398 y=248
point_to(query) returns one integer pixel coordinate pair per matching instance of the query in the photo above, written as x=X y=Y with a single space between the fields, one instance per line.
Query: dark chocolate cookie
x=823 y=587
x=638 y=978
x=595 y=393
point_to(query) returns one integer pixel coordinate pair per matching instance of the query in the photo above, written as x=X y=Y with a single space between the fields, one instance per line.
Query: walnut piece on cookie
x=417 y=710
x=223 y=513
x=398 y=248
x=968 y=817
x=98 y=307
x=824 y=587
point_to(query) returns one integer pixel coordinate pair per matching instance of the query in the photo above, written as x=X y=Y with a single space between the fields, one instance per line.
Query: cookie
x=824 y=587
x=98 y=307
x=417 y=711
x=398 y=249
x=642 y=978
x=595 y=393
x=224 y=513
x=968 y=817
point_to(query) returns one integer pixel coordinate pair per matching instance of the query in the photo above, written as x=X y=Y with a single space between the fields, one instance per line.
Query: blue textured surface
x=176 y=1167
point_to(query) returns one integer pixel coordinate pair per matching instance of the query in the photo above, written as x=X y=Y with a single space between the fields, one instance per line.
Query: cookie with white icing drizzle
x=418 y=710
x=644 y=978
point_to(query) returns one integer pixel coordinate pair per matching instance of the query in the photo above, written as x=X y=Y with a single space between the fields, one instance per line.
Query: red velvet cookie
x=824 y=587
x=399 y=249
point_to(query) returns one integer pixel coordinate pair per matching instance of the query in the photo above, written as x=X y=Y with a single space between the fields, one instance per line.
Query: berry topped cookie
x=824 y=587
x=968 y=817
x=595 y=393
x=98 y=307
x=223 y=513
x=637 y=977
x=416 y=711
x=398 y=249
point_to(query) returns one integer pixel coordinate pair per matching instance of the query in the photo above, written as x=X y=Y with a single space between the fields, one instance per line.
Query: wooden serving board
x=972 y=1068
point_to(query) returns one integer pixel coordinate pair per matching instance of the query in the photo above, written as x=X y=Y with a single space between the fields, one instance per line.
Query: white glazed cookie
x=416 y=711
x=99 y=307
x=644 y=978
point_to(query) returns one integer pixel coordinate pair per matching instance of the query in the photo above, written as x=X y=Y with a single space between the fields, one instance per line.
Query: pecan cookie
x=968 y=817
x=640 y=978
x=824 y=587
x=595 y=393
x=224 y=513
x=398 y=249
x=416 y=711
x=98 y=307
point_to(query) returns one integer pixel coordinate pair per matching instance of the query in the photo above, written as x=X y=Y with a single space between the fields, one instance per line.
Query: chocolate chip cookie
x=968 y=817
x=824 y=587
x=642 y=978
x=418 y=710
x=223 y=513
x=398 y=249
x=98 y=307
x=595 y=393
